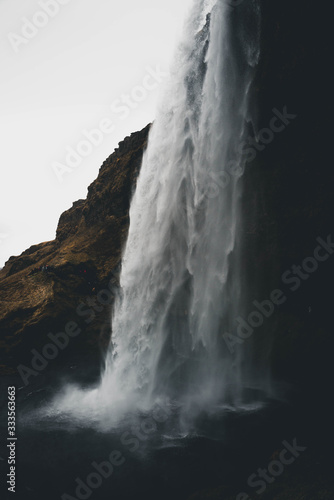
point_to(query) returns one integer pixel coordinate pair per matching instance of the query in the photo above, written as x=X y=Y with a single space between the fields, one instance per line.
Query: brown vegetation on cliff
x=36 y=299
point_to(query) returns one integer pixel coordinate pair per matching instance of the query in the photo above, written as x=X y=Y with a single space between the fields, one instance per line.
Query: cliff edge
x=71 y=278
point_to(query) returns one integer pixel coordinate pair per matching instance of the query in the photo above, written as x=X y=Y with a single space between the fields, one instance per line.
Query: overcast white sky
x=60 y=79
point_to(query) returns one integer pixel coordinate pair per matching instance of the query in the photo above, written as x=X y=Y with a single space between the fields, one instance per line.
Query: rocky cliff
x=72 y=278
x=288 y=198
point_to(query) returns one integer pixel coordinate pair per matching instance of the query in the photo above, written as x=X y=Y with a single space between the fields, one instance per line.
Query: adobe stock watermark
x=58 y=342
x=121 y=109
x=293 y=277
x=100 y=472
x=263 y=477
x=248 y=151
x=94 y=480
x=30 y=28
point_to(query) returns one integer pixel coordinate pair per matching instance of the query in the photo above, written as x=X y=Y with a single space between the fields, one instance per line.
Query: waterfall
x=181 y=283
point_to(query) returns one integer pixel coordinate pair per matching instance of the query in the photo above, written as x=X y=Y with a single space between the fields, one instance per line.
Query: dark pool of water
x=163 y=463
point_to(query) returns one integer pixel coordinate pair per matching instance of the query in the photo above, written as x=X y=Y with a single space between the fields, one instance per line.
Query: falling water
x=181 y=280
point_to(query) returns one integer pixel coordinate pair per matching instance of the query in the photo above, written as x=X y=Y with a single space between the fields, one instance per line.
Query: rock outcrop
x=288 y=196
x=72 y=277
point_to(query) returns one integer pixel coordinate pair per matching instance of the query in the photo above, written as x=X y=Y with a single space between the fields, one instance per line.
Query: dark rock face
x=71 y=279
x=288 y=195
